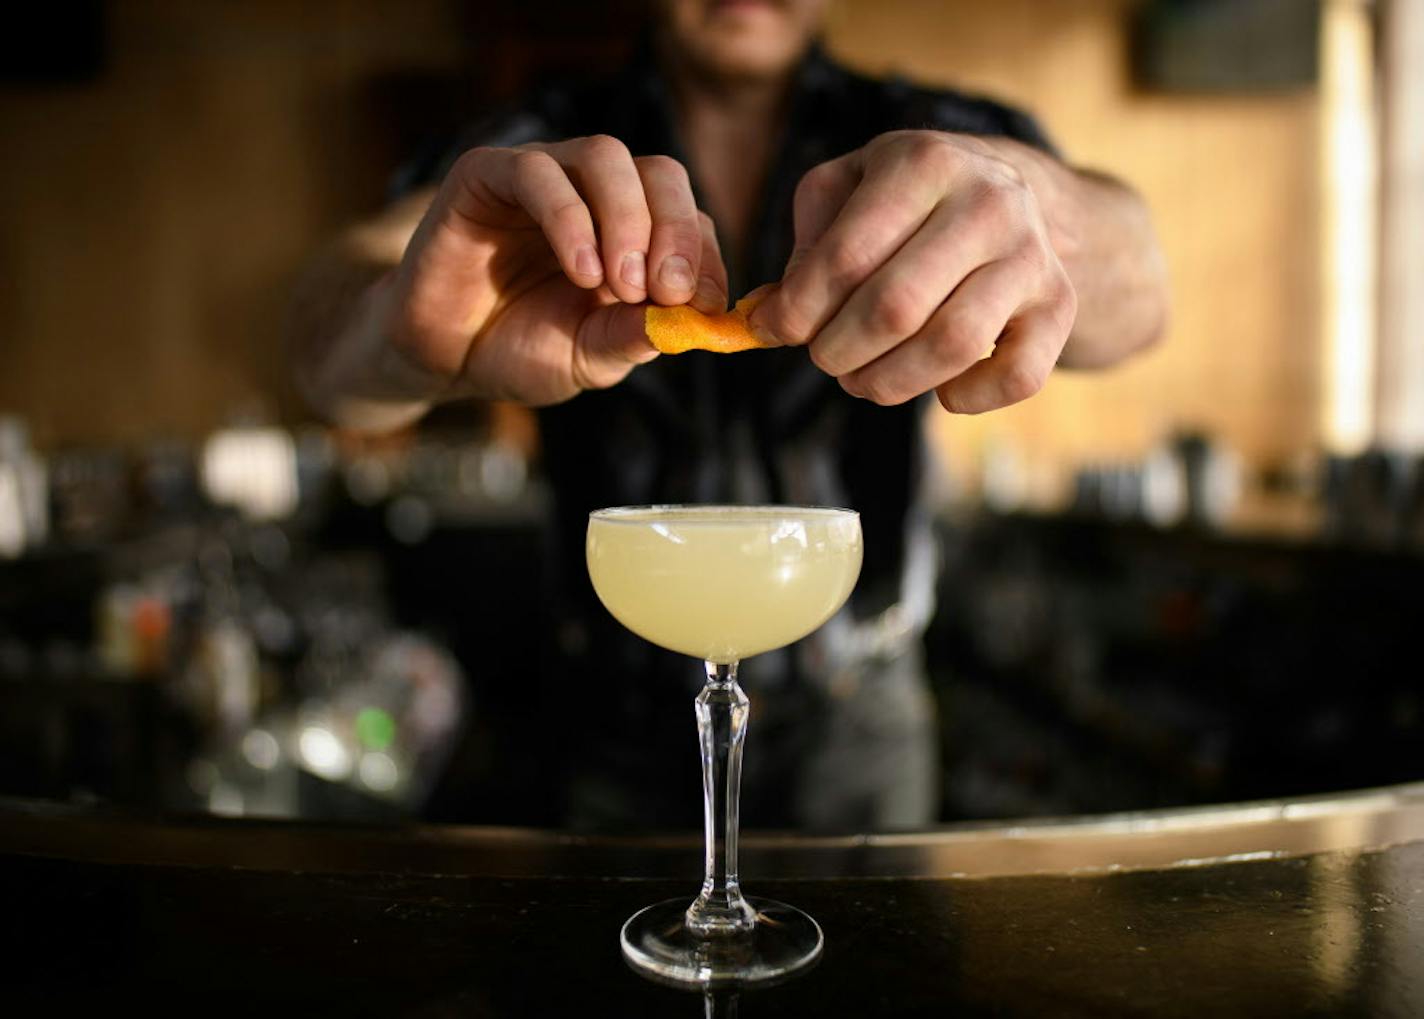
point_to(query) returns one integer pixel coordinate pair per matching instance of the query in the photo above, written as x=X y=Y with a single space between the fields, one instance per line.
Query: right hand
x=526 y=276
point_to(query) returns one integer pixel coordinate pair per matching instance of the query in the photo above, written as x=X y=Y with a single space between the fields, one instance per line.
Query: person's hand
x=915 y=256
x=524 y=279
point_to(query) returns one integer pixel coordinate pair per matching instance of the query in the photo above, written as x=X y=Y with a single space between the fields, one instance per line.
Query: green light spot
x=375 y=728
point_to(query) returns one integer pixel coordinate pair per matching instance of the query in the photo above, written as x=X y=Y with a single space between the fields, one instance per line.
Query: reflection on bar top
x=1362 y=820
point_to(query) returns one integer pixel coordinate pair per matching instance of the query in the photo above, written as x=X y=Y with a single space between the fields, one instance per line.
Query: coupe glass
x=722 y=583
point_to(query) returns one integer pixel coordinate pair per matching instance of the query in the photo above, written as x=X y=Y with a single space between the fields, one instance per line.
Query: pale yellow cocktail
x=723 y=583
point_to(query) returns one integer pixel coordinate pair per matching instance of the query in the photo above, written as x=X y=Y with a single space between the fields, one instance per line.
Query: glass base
x=657 y=944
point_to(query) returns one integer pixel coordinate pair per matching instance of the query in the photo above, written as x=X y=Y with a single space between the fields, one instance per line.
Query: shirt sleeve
x=952 y=111
x=514 y=126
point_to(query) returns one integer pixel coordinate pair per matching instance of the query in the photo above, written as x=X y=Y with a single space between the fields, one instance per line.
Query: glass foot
x=658 y=945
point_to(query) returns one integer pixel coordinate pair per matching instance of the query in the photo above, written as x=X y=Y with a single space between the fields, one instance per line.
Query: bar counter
x=1309 y=906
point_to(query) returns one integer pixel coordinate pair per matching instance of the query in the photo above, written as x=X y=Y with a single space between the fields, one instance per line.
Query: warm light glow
x=323 y=753
x=260 y=749
x=254 y=469
x=378 y=772
x=1401 y=355
x=1349 y=225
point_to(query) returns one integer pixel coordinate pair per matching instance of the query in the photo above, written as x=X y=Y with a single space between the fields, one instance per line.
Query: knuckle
x=529 y=162
x=898 y=141
x=848 y=264
x=663 y=166
x=706 y=228
x=996 y=201
x=816 y=182
x=784 y=318
x=1008 y=174
x=683 y=233
x=604 y=148
x=1019 y=381
x=825 y=360
x=895 y=310
x=581 y=371
x=568 y=216
x=927 y=151
x=960 y=336
x=881 y=391
x=1040 y=257
x=471 y=162
x=1002 y=205
x=952 y=400
x=625 y=220
x=634 y=223
x=1063 y=304
x=1033 y=266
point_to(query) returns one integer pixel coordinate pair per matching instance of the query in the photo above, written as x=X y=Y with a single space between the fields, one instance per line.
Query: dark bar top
x=1299 y=907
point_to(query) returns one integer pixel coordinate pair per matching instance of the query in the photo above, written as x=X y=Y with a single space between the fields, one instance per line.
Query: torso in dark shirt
x=759 y=427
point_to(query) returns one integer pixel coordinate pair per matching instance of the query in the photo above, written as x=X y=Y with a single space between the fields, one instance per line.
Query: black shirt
x=760 y=427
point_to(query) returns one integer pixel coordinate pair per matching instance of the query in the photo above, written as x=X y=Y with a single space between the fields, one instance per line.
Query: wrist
x=370 y=382
x=1054 y=186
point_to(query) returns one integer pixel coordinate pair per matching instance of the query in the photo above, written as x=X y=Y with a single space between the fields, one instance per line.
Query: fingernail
x=762 y=333
x=635 y=270
x=676 y=274
x=587 y=263
x=765 y=335
x=710 y=294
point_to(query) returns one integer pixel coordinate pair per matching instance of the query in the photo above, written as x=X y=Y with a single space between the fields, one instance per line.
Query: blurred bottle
x=253 y=470
x=134 y=631
x=1164 y=488
x=1214 y=480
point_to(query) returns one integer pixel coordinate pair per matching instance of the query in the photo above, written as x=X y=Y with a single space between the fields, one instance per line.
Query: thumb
x=610 y=343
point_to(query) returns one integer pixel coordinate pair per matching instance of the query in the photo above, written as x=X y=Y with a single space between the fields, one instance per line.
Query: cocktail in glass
x=722 y=583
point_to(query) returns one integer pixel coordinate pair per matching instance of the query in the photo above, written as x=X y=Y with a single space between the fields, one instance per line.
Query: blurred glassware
x=91 y=495
x=24 y=491
x=12 y=514
x=1371 y=498
x=252 y=469
x=1164 y=488
x=1214 y=478
x=133 y=628
x=1002 y=482
x=168 y=483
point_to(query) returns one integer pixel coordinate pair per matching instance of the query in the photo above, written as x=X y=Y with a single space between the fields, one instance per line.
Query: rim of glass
x=714 y=511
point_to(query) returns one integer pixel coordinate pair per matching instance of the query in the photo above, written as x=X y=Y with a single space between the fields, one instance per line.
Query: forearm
x=1103 y=235
x=346 y=368
x=339 y=326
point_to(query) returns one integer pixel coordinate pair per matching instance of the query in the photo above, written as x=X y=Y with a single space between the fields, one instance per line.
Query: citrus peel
x=682 y=328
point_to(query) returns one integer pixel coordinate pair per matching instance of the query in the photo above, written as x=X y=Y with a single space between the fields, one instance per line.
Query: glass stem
x=719 y=1004
x=721 y=730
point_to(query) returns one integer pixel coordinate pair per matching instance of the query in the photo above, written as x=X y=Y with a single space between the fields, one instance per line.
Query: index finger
x=532 y=180
x=884 y=210
x=675 y=247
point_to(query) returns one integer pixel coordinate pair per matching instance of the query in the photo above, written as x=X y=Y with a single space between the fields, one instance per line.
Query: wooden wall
x=151 y=221
x=1231 y=181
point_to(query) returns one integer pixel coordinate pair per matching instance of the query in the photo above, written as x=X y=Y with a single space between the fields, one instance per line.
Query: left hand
x=915 y=255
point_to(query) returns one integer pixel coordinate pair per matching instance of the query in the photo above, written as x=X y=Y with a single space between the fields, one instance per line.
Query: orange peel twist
x=682 y=328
